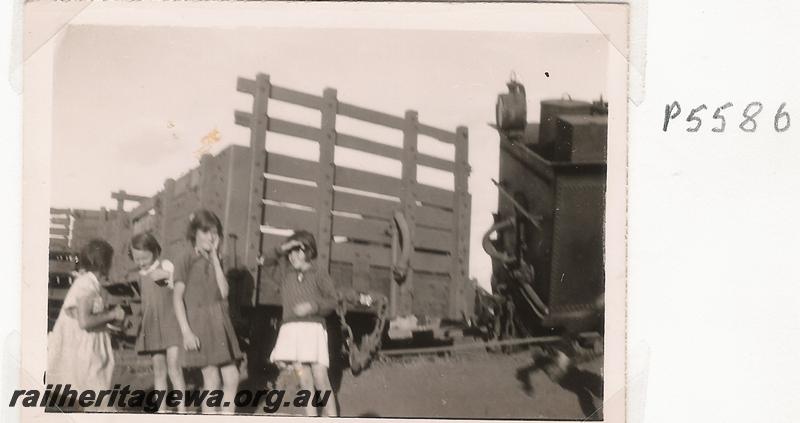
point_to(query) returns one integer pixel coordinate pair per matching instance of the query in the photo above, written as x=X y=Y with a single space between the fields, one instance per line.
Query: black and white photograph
x=388 y=210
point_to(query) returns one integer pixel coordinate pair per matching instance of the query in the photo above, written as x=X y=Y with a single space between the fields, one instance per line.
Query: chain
x=360 y=356
x=341 y=311
x=371 y=343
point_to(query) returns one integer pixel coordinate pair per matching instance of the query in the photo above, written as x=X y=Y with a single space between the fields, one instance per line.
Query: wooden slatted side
x=434 y=218
x=325 y=177
x=342 y=274
x=272 y=241
x=248 y=86
x=371 y=116
x=346 y=252
x=257 y=122
x=59 y=231
x=439 y=134
x=245 y=85
x=433 y=239
x=143 y=208
x=59 y=220
x=242 y=118
x=292 y=167
x=288 y=218
x=90 y=214
x=368 y=146
x=284 y=127
x=288 y=192
x=373 y=147
x=460 y=248
x=362 y=229
x=379 y=280
x=434 y=263
x=435 y=196
x=431 y=294
x=435 y=162
x=367 y=206
x=296 y=97
x=366 y=181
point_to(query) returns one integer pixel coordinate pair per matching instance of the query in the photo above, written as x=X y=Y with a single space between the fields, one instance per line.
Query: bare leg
x=230 y=384
x=159 y=373
x=322 y=383
x=306 y=383
x=210 y=383
x=175 y=372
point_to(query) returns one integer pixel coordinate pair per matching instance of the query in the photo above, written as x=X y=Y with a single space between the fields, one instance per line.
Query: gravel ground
x=477 y=385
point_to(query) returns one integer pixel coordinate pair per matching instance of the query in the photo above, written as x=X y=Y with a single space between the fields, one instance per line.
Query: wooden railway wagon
x=357 y=216
x=219 y=184
x=70 y=230
x=548 y=252
x=390 y=235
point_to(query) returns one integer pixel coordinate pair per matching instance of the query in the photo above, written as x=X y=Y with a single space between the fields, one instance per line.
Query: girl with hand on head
x=79 y=347
x=307 y=296
x=201 y=307
x=159 y=335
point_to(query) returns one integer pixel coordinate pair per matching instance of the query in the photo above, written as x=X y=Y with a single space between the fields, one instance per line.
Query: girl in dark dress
x=201 y=306
x=159 y=336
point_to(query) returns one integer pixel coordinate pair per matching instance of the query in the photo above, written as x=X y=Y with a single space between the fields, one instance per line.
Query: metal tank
x=547 y=240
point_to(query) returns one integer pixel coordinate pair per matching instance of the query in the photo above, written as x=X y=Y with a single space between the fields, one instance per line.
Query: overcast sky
x=132 y=104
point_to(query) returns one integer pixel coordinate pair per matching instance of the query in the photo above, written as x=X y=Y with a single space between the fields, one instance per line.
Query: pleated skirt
x=303 y=342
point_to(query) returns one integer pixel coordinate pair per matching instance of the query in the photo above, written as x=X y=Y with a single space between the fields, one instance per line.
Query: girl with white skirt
x=307 y=296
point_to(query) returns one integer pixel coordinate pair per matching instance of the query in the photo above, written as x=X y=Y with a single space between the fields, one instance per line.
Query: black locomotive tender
x=547 y=241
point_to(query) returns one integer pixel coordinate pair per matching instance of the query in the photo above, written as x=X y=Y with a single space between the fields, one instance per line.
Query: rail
x=481 y=345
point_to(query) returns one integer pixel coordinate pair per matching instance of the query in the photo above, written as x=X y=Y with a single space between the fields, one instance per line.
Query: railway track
x=485 y=346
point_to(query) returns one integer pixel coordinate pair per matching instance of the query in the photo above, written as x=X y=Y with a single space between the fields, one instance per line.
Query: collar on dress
x=301 y=274
x=152 y=267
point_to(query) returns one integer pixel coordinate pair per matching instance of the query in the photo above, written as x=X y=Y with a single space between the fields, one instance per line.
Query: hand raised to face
x=286 y=246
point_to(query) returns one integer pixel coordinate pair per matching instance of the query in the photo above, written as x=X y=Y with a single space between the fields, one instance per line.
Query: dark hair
x=308 y=241
x=204 y=220
x=145 y=242
x=96 y=256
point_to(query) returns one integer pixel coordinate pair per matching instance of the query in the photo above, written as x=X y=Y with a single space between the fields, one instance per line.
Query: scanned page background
x=713 y=306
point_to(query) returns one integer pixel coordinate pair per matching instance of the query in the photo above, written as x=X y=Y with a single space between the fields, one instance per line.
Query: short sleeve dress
x=159 y=329
x=206 y=312
x=81 y=358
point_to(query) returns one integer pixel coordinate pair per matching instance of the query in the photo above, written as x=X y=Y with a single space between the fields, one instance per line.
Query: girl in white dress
x=79 y=347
